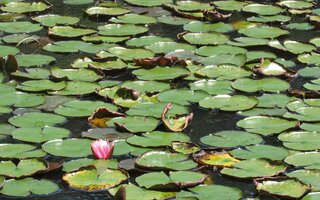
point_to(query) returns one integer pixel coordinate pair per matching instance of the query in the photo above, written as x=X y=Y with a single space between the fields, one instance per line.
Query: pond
x=201 y=99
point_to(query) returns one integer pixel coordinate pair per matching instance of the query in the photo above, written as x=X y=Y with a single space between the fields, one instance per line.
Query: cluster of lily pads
x=137 y=89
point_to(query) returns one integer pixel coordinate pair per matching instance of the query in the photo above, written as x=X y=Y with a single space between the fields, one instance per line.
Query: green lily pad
x=197 y=26
x=130 y=54
x=39 y=135
x=167 y=47
x=248 y=41
x=76 y=74
x=149 y=109
x=134 y=19
x=147 y=40
x=19 y=27
x=53 y=20
x=149 y=3
x=260 y=151
x=300 y=140
x=77 y=88
x=65 y=46
x=282 y=188
x=157 y=139
x=300 y=26
x=33 y=73
x=309 y=177
x=189 y=6
x=309 y=58
x=161 y=160
x=253 y=168
x=121 y=147
x=230 y=5
x=28 y=186
x=272 y=18
x=7 y=50
x=206 y=192
x=16 y=38
x=310 y=72
x=92 y=179
x=121 y=30
x=30 y=60
x=266 y=125
x=161 y=73
x=146 y=86
x=75 y=165
x=212 y=87
x=298 y=47
x=115 y=11
x=23 y=168
x=24 y=7
x=263 y=111
x=224 y=62
x=69 y=32
x=274 y=100
x=220 y=50
x=134 y=124
x=265 y=84
x=179 y=179
x=102 y=39
x=109 y=65
x=293 y=4
x=263 y=32
x=72 y=148
x=229 y=103
x=82 y=108
x=5 y=130
x=78 y=2
x=134 y=192
x=307 y=160
x=41 y=85
x=20 y=151
x=262 y=9
x=173 y=20
x=36 y=119
x=181 y=96
x=224 y=71
x=205 y=38
x=228 y=139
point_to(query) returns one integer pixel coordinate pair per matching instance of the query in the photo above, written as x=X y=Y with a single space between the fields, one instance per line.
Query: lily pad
x=115 y=11
x=39 y=135
x=161 y=160
x=216 y=159
x=130 y=54
x=41 y=85
x=28 y=186
x=72 y=148
x=282 y=188
x=229 y=103
x=33 y=73
x=225 y=62
x=167 y=47
x=19 y=27
x=23 y=168
x=53 y=20
x=88 y=75
x=20 y=151
x=149 y=3
x=260 y=151
x=134 y=19
x=181 y=96
x=197 y=26
x=92 y=179
x=309 y=177
x=265 y=84
x=77 y=88
x=121 y=30
x=307 y=160
x=229 y=139
x=69 y=32
x=266 y=125
x=121 y=147
x=230 y=5
x=179 y=179
x=36 y=119
x=134 y=124
x=7 y=50
x=300 y=140
x=30 y=60
x=147 y=40
x=253 y=168
x=262 y=9
x=212 y=87
x=205 y=38
x=206 y=192
x=263 y=32
x=161 y=73
x=157 y=139
x=75 y=165
x=24 y=7
x=224 y=71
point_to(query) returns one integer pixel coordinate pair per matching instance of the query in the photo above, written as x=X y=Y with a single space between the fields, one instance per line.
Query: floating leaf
x=121 y=29
x=24 y=7
x=53 y=20
x=181 y=96
x=266 y=125
x=105 y=11
x=229 y=103
x=20 y=151
x=69 y=32
x=73 y=148
x=307 y=160
x=197 y=26
x=212 y=87
x=23 y=168
x=205 y=38
x=36 y=119
x=161 y=160
x=40 y=134
x=41 y=85
x=75 y=165
x=161 y=73
x=228 y=139
x=263 y=32
x=262 y=9
x=77 y=88
x=29 y=60
x=216 y=159
x=157 y=139
x=134 y=124
x=253 y=168
x=149 y=3
x=300 y=140
x=266 y=84
x=167 y=47
x=19 y=27
x=28 y=186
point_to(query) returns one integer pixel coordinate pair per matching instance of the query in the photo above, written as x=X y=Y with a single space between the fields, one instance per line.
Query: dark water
x=204 y=121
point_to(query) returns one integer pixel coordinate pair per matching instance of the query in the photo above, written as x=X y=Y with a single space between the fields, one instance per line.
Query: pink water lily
x=102 y=149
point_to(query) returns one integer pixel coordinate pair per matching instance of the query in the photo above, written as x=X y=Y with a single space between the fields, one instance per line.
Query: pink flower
x=102 y=149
